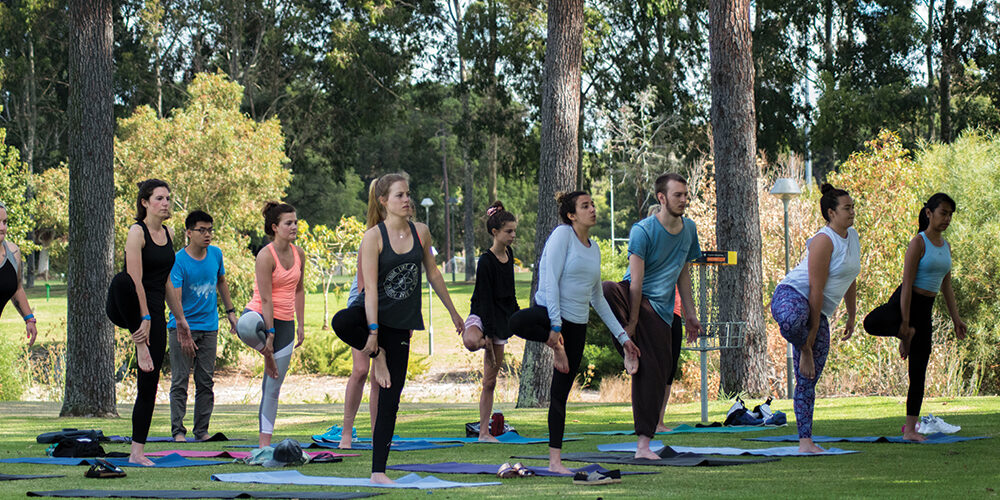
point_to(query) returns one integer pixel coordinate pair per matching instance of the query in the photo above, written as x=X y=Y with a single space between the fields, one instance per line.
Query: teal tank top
x=933 y=266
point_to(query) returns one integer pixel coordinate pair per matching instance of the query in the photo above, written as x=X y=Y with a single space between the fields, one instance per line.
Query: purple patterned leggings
x=791 y=310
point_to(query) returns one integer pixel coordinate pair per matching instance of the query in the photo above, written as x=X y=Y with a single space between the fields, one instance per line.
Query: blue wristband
x=29 y=317
x=270 y=330
x=557 y=328
x=147 y=318
x=373 y=326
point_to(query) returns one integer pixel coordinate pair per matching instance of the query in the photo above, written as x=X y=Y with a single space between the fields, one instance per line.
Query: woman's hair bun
x=826 y=187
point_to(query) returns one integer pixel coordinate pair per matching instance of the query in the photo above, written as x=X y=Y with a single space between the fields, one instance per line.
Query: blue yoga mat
x=468 y=468
x=936 y=438
x=218 y=436
x=409 y=481
x=396 y=445
x=781 y=451
x=505 y=438
x=172 y=460
x=687 y=429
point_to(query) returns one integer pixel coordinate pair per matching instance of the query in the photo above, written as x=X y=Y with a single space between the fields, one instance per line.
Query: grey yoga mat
x=936 y=438
x=678 y=460
x=14 y=477
x=780 y=451
x=195 y=494
x=687 y=429
x=412 y=481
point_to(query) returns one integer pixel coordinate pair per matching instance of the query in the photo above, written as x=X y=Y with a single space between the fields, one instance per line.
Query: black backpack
x=78 y=448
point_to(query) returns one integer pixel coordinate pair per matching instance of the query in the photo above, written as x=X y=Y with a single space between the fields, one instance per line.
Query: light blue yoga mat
x=409 y=481
x=505 y=438
x=172 y=460
x=687 y=429
x=781 y=451
x=936 y=438
x=491 y=469
x=396 y=445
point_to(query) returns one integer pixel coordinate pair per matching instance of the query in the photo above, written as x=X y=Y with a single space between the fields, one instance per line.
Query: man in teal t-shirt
x=197 y=275
x=660 y=248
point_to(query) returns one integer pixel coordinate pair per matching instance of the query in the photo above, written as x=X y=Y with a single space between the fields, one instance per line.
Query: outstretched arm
x=949 y=300
x=435 y=278
x=20 y=300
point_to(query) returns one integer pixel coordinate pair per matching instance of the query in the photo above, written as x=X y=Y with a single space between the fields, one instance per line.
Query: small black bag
x=78 y=448
x=55 y=437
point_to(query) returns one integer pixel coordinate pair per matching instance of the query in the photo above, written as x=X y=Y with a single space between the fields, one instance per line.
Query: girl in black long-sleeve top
x=493 y=302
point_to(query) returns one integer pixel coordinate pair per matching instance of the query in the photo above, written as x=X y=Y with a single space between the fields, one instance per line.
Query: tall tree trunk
x=491 y=162
x=737 y=220
x=28 y=152
x=947 y=59
x=557 y=168
x=828 y=35
x=929 y=53
x=449 y=264
x=90 y=384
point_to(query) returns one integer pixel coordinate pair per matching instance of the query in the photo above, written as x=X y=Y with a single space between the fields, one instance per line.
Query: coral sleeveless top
x=283 y=284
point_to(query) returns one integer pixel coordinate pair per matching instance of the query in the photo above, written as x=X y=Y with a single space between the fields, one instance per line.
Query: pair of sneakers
x=930 y=424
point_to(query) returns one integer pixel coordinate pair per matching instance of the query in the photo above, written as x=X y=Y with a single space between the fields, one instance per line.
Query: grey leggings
x=284 y=336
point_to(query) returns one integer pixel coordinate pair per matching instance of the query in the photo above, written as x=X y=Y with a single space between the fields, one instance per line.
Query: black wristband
x=231 y=310
x=374 y=354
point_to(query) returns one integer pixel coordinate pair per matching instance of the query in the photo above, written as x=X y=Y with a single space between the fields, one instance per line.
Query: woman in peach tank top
x=279 y=297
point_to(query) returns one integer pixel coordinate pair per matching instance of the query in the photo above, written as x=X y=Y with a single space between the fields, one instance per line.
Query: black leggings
x=533 y=324
x=146 y=382
x=676 y=338
x=351 y=325
x=884 y=321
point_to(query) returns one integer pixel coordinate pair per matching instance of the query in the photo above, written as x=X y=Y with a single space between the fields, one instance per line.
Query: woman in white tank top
x=810 y=294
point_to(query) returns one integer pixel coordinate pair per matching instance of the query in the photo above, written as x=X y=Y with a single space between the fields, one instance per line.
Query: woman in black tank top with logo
x=10 y=279
x=391 y=255
x=149 y=257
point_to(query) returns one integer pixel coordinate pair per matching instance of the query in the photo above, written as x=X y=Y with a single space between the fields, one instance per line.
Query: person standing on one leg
x=908 y=314
x=197 y=280
x=279 y=297
x=811 y=293
x=391 y=255
x=676 y=334
x=493 y=303
x=149 y=257
x=10 y=280
x=660 y=247
x=569 y=282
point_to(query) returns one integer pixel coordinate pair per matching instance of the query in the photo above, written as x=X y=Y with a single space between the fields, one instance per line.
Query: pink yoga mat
x=231 y=454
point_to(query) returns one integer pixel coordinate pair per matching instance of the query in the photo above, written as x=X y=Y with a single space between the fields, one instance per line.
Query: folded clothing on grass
x=195 y=494
x=173 y=460
x=939 y=438
x=469 y=468
x=678 y=460
x=409 y=481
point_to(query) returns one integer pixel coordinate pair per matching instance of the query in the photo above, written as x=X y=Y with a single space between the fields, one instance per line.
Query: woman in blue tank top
x=379 y=324
x=10 y=279
x=908 y=314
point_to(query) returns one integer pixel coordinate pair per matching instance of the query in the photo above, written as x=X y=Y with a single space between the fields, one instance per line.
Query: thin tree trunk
x=737 y=220
x=828 y=35
x=29 y=150
x=90 y=384
x=557 y=168
x=326 y=301
x=929 y=53
x=947 y=59
x=448 y=262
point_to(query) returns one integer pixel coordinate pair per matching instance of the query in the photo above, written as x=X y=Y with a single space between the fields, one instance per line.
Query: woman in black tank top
x=10 y=279
x=391 y=254
x=149 y=257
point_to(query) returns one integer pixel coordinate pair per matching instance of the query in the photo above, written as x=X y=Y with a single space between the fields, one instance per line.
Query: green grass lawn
x=962 y=470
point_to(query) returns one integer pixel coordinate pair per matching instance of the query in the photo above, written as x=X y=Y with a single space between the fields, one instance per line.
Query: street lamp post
x=786 y=189
x=427 y=203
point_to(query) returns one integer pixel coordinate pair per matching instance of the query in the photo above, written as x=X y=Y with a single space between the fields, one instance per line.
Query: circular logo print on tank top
x=401 y=281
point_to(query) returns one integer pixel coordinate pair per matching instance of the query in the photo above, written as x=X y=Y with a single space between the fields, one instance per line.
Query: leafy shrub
x=12 y=369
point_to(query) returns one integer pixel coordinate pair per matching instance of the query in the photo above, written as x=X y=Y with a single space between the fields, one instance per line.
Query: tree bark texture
x=557 y=170
x=90 y=383
x=738 y=219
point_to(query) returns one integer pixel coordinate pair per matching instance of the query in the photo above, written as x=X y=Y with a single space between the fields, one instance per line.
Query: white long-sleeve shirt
x=569 y=280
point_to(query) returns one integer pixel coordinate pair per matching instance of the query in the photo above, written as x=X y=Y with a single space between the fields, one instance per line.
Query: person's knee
x=472 y=338
x=489 y=383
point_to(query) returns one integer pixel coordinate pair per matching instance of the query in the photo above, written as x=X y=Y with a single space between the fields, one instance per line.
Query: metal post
x=430 y=321
x=703 y=338
x=790 y=375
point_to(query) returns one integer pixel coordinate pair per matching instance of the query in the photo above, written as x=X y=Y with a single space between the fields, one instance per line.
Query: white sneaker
x=931 y=424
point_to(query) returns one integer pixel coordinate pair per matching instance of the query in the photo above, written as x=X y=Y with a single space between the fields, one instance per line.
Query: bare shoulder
x=170 y=231
x=264 y=256
x=423 y=231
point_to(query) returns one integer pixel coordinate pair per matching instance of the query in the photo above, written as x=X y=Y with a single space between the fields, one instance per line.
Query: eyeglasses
x=203 y=230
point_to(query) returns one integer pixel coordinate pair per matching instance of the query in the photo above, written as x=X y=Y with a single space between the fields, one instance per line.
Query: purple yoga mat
x=231 y=454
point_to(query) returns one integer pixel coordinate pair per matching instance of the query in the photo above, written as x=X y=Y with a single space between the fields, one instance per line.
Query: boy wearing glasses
x=196 y=281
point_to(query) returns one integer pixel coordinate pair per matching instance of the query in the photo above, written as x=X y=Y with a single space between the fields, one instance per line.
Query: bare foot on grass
x=663 y=428
x=914 y=436
x=488 y=438
x=559 y=468
x=180 y=438
x=140 y=460
x=380 y=371
x=345 y=442
x=809 y=447
x=145 y=359
x=381 y=478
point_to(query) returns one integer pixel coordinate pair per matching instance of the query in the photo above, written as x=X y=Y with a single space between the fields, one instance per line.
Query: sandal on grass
x=523 y=471
x=103 y=469
x=596 y=478
x=507 y=471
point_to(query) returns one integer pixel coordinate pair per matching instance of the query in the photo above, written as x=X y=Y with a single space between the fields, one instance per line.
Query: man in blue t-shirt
x=197 y=275
x=660 y=248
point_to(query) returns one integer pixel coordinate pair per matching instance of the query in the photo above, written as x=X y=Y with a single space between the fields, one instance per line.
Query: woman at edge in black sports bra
x=10 y=279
